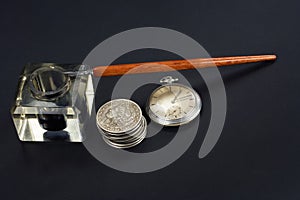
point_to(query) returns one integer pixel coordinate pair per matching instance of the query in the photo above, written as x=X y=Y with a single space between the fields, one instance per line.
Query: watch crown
x=168 y=79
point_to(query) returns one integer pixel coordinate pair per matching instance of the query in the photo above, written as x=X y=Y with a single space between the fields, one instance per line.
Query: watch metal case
x=175 y=122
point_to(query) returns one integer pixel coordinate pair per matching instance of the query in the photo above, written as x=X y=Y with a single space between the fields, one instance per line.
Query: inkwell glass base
x=53 y=101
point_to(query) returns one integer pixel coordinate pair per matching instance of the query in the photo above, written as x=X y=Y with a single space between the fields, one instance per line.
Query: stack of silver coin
x=121 y=123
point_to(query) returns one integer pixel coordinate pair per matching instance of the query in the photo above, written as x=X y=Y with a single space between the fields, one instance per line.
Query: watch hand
x=176 y=96
x=183 y=98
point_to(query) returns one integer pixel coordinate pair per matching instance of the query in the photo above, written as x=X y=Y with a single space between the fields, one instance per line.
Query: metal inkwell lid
x=49 y=83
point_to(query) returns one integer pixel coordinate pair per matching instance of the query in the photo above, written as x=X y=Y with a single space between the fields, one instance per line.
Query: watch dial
x=173 y=102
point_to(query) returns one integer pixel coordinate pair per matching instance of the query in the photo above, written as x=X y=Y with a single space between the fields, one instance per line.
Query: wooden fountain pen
x=172 y=65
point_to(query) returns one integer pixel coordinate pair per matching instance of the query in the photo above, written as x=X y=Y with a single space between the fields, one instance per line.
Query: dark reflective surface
x=257 y=156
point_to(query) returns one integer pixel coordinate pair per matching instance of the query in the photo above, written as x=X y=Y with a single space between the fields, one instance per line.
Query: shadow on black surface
x=240 y=72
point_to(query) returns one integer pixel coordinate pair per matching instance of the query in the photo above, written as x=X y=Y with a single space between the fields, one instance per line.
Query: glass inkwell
x=53 y=101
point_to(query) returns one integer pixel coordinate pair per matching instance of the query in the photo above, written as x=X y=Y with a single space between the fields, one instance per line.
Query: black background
x=257 y=156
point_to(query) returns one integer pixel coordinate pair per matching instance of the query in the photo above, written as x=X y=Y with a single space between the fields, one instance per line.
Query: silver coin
x=118 y=116
x=127 y=134
x=129 y=145
x=125 y=139
x=122 y=134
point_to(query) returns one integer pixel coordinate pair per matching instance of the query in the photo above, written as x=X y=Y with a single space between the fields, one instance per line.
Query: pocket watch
x=173 y=104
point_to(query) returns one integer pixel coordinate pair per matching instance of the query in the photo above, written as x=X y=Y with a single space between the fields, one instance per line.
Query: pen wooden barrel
x=165 y=66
